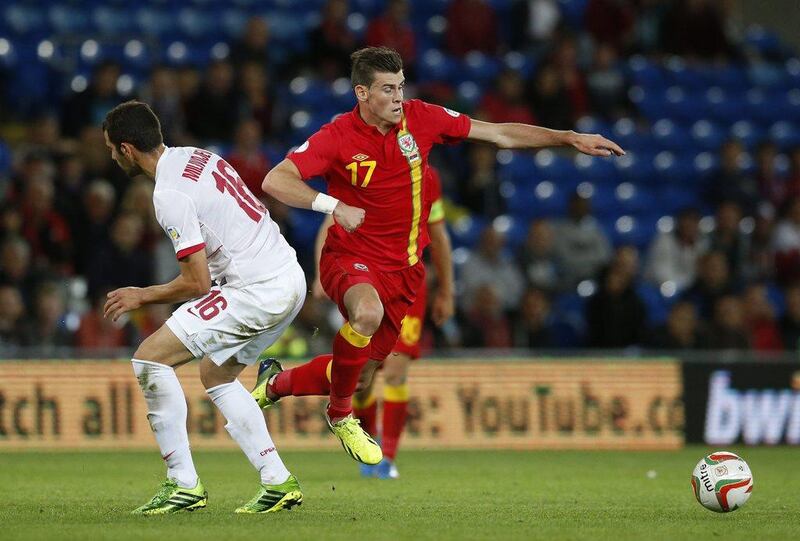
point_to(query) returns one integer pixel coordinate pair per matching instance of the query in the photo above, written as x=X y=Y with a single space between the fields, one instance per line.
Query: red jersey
x=386 y=175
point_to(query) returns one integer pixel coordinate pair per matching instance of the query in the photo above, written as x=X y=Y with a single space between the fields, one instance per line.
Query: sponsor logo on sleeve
x=301 y=148
x=454 y=114
x=173 y=233
x=361 y=267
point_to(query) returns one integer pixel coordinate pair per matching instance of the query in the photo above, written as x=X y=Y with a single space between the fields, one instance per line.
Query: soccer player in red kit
x=374 y=160
x=395 y=366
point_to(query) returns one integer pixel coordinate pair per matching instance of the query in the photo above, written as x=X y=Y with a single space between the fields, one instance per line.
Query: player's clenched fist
x=350 y=218
x=595 y=145
x=121 y=301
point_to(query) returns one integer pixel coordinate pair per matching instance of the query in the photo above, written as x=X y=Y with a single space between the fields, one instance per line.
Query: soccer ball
x=722 y=482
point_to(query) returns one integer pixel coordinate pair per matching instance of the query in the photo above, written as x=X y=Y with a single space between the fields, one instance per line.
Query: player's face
x=126 y=163
x=385 y=97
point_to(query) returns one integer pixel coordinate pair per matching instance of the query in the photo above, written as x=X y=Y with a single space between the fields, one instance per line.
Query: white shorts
x=240 y=321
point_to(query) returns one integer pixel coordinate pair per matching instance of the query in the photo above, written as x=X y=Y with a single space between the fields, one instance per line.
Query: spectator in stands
x=581 y=246
x=790 y=322
x=713 y=282
x=44 y=137
x=257 y=98
x=763 y=330
x=673 y=255
x=486 y=324
x=610 y=22
x=770 y=183
x=48 y=328
x=537 y=257
x=489 y=266
x=46 y=231
x=605 y=84
x=792 y=184
x=247 y=157
x=615 y=315
x=138 y=199
x=212 y=113
x=534 y=23
x=98 y=332
x=646 y=31
x=89 y=107
x=551 y=104
x=532 y=326
x=162 y=93
x=15 y=268
x=332 y=42
x=253 y=46
x=97 y=159
x=565 y=60
x=786 y=244
x=730 y=183
x=729 y=239
x=92 y=233
x=189 y=81
x=480 y=193
x=471 y=26
x=727 y=331
x=10 y=220
x=696 y=29
x=505 y=101
x=123 y=263
x=680 y=331
x=760 y=262
x=69 y=186
x=12 y=311
x=393 y=29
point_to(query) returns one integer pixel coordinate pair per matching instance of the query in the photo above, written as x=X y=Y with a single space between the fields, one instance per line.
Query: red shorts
x=397 y=291
x=411 y=330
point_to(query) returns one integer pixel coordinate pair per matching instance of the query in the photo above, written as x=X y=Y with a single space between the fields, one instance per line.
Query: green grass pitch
x=441 y=495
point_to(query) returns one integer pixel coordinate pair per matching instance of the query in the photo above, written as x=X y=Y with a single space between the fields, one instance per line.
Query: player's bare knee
x=212 y=375
x=367 y=316
x=396 y=379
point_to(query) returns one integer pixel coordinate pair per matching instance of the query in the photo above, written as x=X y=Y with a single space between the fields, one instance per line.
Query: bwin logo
x=758 y=416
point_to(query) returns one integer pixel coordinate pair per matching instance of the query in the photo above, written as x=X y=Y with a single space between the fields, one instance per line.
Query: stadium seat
x=633 y=199
x=656 y=304
x=569 y=319
x=785 y=134
x=466 y=230
x=636 y=167
x=113 y=20
x=552 y=166
x=747 y=132
x=670 y=136
x=159 y=22
x=645 y=74
x=26 y=20
x=706 y=135
x=517 y=167
x=476 y=67
x=595 y=169
x=435 y=65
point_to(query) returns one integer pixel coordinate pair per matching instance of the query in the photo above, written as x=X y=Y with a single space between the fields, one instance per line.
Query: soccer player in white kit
x=220 y=232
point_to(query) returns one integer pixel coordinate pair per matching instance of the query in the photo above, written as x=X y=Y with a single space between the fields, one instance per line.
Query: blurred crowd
x=73 y=226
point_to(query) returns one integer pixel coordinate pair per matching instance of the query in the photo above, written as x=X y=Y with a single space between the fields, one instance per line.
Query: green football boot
x=355 y=440
x=267 y=369
x=171 y=498
x=274 y=498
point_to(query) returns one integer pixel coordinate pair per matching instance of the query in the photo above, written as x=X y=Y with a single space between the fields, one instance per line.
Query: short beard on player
x=132 y=170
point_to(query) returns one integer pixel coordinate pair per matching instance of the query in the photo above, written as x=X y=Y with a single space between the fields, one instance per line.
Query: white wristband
x=324 y=203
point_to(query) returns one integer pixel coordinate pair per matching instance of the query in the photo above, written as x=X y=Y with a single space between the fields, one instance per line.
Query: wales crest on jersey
x=408 y=146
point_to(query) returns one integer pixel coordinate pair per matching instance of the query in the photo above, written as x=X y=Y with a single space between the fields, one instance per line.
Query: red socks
x=367 y=413
x=311 y=378
x=350 y=354
x=395 y=410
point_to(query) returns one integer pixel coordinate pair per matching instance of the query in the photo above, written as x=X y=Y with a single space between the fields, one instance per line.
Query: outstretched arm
x=285 y=184
x=512 y=135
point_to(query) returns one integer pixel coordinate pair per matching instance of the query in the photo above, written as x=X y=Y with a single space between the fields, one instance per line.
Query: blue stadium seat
x=705 y=164
x=646 y=74
x=670 y=136
x=233 y=22
x=433 y=64
x=672 y=198
x=569 y=319
x=477 y=67
x=465 y=231
x=595 y=169
x=633 y=199
x=26 y=19
x=160 y=22
x=517 y=167
x=629 y=136
x=758 y=107
x=513 y=228
x=113 y=20
x=523 y=63
x=636 y=167
x=308 y=93
x=656 y=304
x=5 y=158
x=747 y=132
x=724 y=107
x=674 y=169
x=707 y=135
x=304 y=224
x=785 y=134
x=552 y=166
x=200 y=24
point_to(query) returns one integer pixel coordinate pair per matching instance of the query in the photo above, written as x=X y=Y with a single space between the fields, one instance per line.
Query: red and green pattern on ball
x=726 y=485
x=716 y=458
x=696 y=488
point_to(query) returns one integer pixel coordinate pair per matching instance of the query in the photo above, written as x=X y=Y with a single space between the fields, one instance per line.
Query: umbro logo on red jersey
x=360 y=157
x=361 y=267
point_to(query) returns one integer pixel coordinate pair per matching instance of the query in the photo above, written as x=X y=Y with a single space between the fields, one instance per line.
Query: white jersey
x=202 y=204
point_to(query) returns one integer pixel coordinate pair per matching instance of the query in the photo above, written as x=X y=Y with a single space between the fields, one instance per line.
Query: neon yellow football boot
x=267 y=369
x=274 y=498
x=171 y=498
x=355 y=440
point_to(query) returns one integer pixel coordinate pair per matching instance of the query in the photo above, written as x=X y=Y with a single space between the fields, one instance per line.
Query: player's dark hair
x=370 y=60
x=135 y=123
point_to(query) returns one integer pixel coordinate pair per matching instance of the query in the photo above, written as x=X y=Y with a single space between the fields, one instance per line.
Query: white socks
x=166 y=411
x=247 y=427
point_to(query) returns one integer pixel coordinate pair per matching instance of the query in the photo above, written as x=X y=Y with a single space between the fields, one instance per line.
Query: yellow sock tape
x=395 y=393
x=353 y=338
